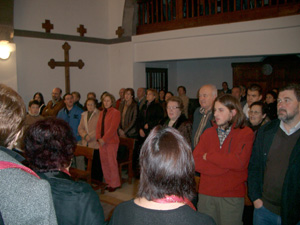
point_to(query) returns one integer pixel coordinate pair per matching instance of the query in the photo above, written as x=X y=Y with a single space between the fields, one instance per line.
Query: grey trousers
x=224 y=210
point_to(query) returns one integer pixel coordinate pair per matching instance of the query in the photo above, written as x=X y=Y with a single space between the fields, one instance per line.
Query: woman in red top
x=222 y=156
x=108 y=139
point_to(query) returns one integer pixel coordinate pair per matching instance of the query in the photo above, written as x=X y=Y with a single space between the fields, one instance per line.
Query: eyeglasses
x=172 y=107
x=254 y=112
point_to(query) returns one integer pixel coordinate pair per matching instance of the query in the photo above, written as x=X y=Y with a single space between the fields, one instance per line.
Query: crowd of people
x=236 y=140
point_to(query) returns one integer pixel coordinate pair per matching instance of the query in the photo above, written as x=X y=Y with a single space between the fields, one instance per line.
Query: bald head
x=140 y=93
x=56 y=94
x=207 y=96
x=121 y=93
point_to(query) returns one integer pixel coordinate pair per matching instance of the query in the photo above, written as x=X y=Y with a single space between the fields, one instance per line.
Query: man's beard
x=54 y=99
x=286 y=118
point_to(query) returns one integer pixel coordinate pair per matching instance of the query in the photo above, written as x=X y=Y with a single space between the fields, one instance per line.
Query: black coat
x=272 y=110
x=182 y=125
x=74 y=202
x=150 y=115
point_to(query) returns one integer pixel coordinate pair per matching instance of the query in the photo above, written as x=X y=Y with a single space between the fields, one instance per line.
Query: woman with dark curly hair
x=49 y=148
x=166 y=185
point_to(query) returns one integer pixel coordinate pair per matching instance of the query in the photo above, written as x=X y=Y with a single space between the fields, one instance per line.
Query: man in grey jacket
x=25 y=199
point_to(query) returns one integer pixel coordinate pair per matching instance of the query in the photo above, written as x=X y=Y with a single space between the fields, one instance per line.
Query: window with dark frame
x=157 y=78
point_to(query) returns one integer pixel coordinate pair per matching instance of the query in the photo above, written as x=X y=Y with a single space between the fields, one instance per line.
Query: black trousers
x=97 y=173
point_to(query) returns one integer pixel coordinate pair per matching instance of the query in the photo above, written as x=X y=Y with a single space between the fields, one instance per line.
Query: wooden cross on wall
x=47 y=26
x=67 y=64
x=81 y=30
x=120 y=32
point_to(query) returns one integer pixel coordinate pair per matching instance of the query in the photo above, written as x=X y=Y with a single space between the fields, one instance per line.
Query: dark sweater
x=128 y=213
x=290 y=195
x=277 y=165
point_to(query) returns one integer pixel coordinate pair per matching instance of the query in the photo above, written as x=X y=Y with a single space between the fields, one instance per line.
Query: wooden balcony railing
x=163 y=15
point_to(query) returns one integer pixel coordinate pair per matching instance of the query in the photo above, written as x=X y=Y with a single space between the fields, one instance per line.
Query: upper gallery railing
x=162 y=15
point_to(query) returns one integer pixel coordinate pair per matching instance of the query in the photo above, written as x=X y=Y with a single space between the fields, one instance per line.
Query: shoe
x=111 y=189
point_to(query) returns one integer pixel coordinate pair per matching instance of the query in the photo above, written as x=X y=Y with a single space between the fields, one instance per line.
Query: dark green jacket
x=74 y=202
x=290 y=205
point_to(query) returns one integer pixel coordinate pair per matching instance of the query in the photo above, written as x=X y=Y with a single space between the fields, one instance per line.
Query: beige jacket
x=89 y=128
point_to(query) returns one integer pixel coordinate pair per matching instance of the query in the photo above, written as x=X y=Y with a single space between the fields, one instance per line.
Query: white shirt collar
x=292 y=130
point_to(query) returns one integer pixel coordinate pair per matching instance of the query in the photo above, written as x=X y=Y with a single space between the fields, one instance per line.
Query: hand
x=142 y=133
x=101 y=142
x=121 y=133
x=87 y=138
x=146 y=126
x=258 y=203
x=204 y=156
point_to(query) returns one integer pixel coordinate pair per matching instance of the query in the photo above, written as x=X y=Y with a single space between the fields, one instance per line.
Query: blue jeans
x=263 y=216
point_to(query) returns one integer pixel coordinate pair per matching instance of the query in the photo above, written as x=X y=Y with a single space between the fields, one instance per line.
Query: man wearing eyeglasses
x=274 y=169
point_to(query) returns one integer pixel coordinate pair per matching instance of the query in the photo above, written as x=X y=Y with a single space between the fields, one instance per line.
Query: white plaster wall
x=65 y=15
x=8 y=71
x=34 y=74
x=120 y=67
x=260 y=37
x=139 y=75
x=115 y=16
x=194 y=73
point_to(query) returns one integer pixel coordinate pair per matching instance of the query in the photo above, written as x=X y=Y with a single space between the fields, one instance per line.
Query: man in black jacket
x=274 y=169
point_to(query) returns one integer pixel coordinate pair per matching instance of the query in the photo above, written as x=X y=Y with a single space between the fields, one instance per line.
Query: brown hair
x=262 y=105
x=256 y=87
x=91 y=93
x=231 y=103
x=292 y=87
x=155 y=93
x=131 y=92
x=183 y=87
x=112 y=98
x=33 y=102
x=12 y=115
x=77 y=94
x=91 y=99
x=167 y=165
x=176 y=99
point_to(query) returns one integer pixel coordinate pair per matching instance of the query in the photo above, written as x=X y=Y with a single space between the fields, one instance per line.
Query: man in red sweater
x=221 y=157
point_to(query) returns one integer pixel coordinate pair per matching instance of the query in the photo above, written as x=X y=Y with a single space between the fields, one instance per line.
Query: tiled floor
x=109 y=200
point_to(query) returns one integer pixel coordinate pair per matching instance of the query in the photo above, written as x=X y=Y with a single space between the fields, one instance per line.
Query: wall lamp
x=5 y=49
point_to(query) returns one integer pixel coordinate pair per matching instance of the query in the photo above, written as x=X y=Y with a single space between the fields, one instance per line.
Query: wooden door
x=268 y=74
